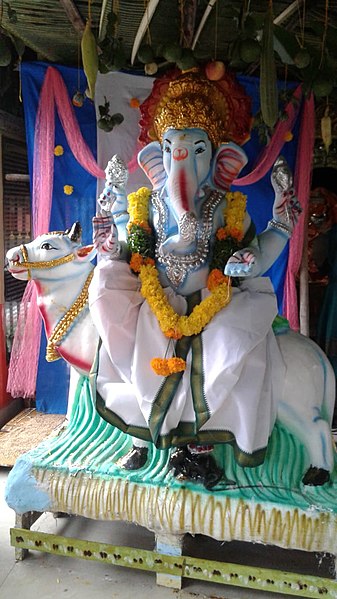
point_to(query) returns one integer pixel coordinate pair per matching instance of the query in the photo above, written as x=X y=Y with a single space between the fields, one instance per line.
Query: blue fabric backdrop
x=261 y=195
x=52 y=380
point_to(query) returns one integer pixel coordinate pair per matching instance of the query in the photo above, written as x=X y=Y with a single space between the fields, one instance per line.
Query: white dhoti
x=234 y=368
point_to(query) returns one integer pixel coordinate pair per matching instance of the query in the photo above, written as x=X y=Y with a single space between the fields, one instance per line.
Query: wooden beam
x=73 y=15
x=288 y=12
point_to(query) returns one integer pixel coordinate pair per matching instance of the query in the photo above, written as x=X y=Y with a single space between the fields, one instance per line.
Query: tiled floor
x=45 y=576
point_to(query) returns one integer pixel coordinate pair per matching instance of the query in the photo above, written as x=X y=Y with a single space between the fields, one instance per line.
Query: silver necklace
x=177 y=266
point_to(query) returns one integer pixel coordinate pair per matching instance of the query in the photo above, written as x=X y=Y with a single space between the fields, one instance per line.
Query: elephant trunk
x=182 y=188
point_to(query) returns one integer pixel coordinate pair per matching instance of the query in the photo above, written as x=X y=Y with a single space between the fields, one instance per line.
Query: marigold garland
x=234 y=214
x=172 y=325
x=138 y=208
x=170 y=322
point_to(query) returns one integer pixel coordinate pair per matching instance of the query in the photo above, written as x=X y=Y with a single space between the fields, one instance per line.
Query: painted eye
x=200 y=150
x=47 y=246
x=167 y=149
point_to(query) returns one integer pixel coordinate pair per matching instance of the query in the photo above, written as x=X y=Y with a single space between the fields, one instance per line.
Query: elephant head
x=183 y=167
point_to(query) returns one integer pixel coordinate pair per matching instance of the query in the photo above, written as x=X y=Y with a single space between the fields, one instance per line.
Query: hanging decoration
x=326 y=129
x=268 y=78
x=89 y=56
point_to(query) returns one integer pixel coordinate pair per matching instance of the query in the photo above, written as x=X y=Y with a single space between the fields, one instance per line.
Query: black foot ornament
x=134 y=459
x=316 y=477
x=197 y=467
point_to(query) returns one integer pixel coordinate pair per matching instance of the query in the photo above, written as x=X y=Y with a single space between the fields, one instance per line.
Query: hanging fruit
x=215 y=70
x=89 y=59
x=268 y=77
x=249 y=50
x=326 y=130
x=146 y=54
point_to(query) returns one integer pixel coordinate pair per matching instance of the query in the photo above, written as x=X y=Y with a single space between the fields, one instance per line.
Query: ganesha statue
x=188 y=357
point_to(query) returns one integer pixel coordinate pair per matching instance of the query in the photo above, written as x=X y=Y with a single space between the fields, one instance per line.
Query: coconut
x=172 y=52
x=187 y=60
x=302 y=59
x=249 y=50
x=322 y=87
x=145 y=54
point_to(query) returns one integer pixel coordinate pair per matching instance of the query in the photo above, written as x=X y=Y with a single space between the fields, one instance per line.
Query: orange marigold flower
x=149 y=261
x=145 y=226
x=237 y=234
x=136 y=262
x=160 y=366
x=167 y=366
x=176 y=364
x=173 y=334
x=134 y=103
x=288 y=136
x=215 y=278
x=221 y=233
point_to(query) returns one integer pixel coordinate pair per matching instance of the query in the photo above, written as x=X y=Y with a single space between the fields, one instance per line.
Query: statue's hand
x=243 y=263
x=286 y=208
x=113 y=197
x=117 y=173
x=105 y=235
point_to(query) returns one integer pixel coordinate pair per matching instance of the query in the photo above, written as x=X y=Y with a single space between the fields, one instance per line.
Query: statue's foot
x=316 y=476
x=134 y=459
x=197 y=467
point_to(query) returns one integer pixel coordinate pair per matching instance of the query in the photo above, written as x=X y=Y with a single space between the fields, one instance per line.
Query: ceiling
x=53 y=28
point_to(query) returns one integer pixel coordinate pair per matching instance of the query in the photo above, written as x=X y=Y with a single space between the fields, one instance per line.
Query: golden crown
x=190 y=100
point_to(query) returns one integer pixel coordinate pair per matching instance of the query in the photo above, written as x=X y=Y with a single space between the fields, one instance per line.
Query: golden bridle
x=46 y=264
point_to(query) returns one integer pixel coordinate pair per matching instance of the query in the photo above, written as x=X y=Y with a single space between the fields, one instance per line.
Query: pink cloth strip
x=302 y=180
x=274 y=147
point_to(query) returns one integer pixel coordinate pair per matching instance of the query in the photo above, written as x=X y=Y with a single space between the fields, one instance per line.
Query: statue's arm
x=258 y=257
x=109 y=224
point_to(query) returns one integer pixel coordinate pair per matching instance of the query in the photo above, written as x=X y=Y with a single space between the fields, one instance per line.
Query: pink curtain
x=302 y=180
x=25 y=351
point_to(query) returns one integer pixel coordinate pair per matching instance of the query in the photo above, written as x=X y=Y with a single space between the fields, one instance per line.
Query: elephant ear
x=150 y=159
x=228 y=161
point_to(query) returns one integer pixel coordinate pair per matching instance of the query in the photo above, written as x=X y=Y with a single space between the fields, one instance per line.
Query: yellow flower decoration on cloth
x=68 y=190
x=58 y=150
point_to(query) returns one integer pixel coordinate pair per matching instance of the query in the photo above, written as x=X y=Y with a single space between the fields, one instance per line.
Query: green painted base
x=78 y=472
